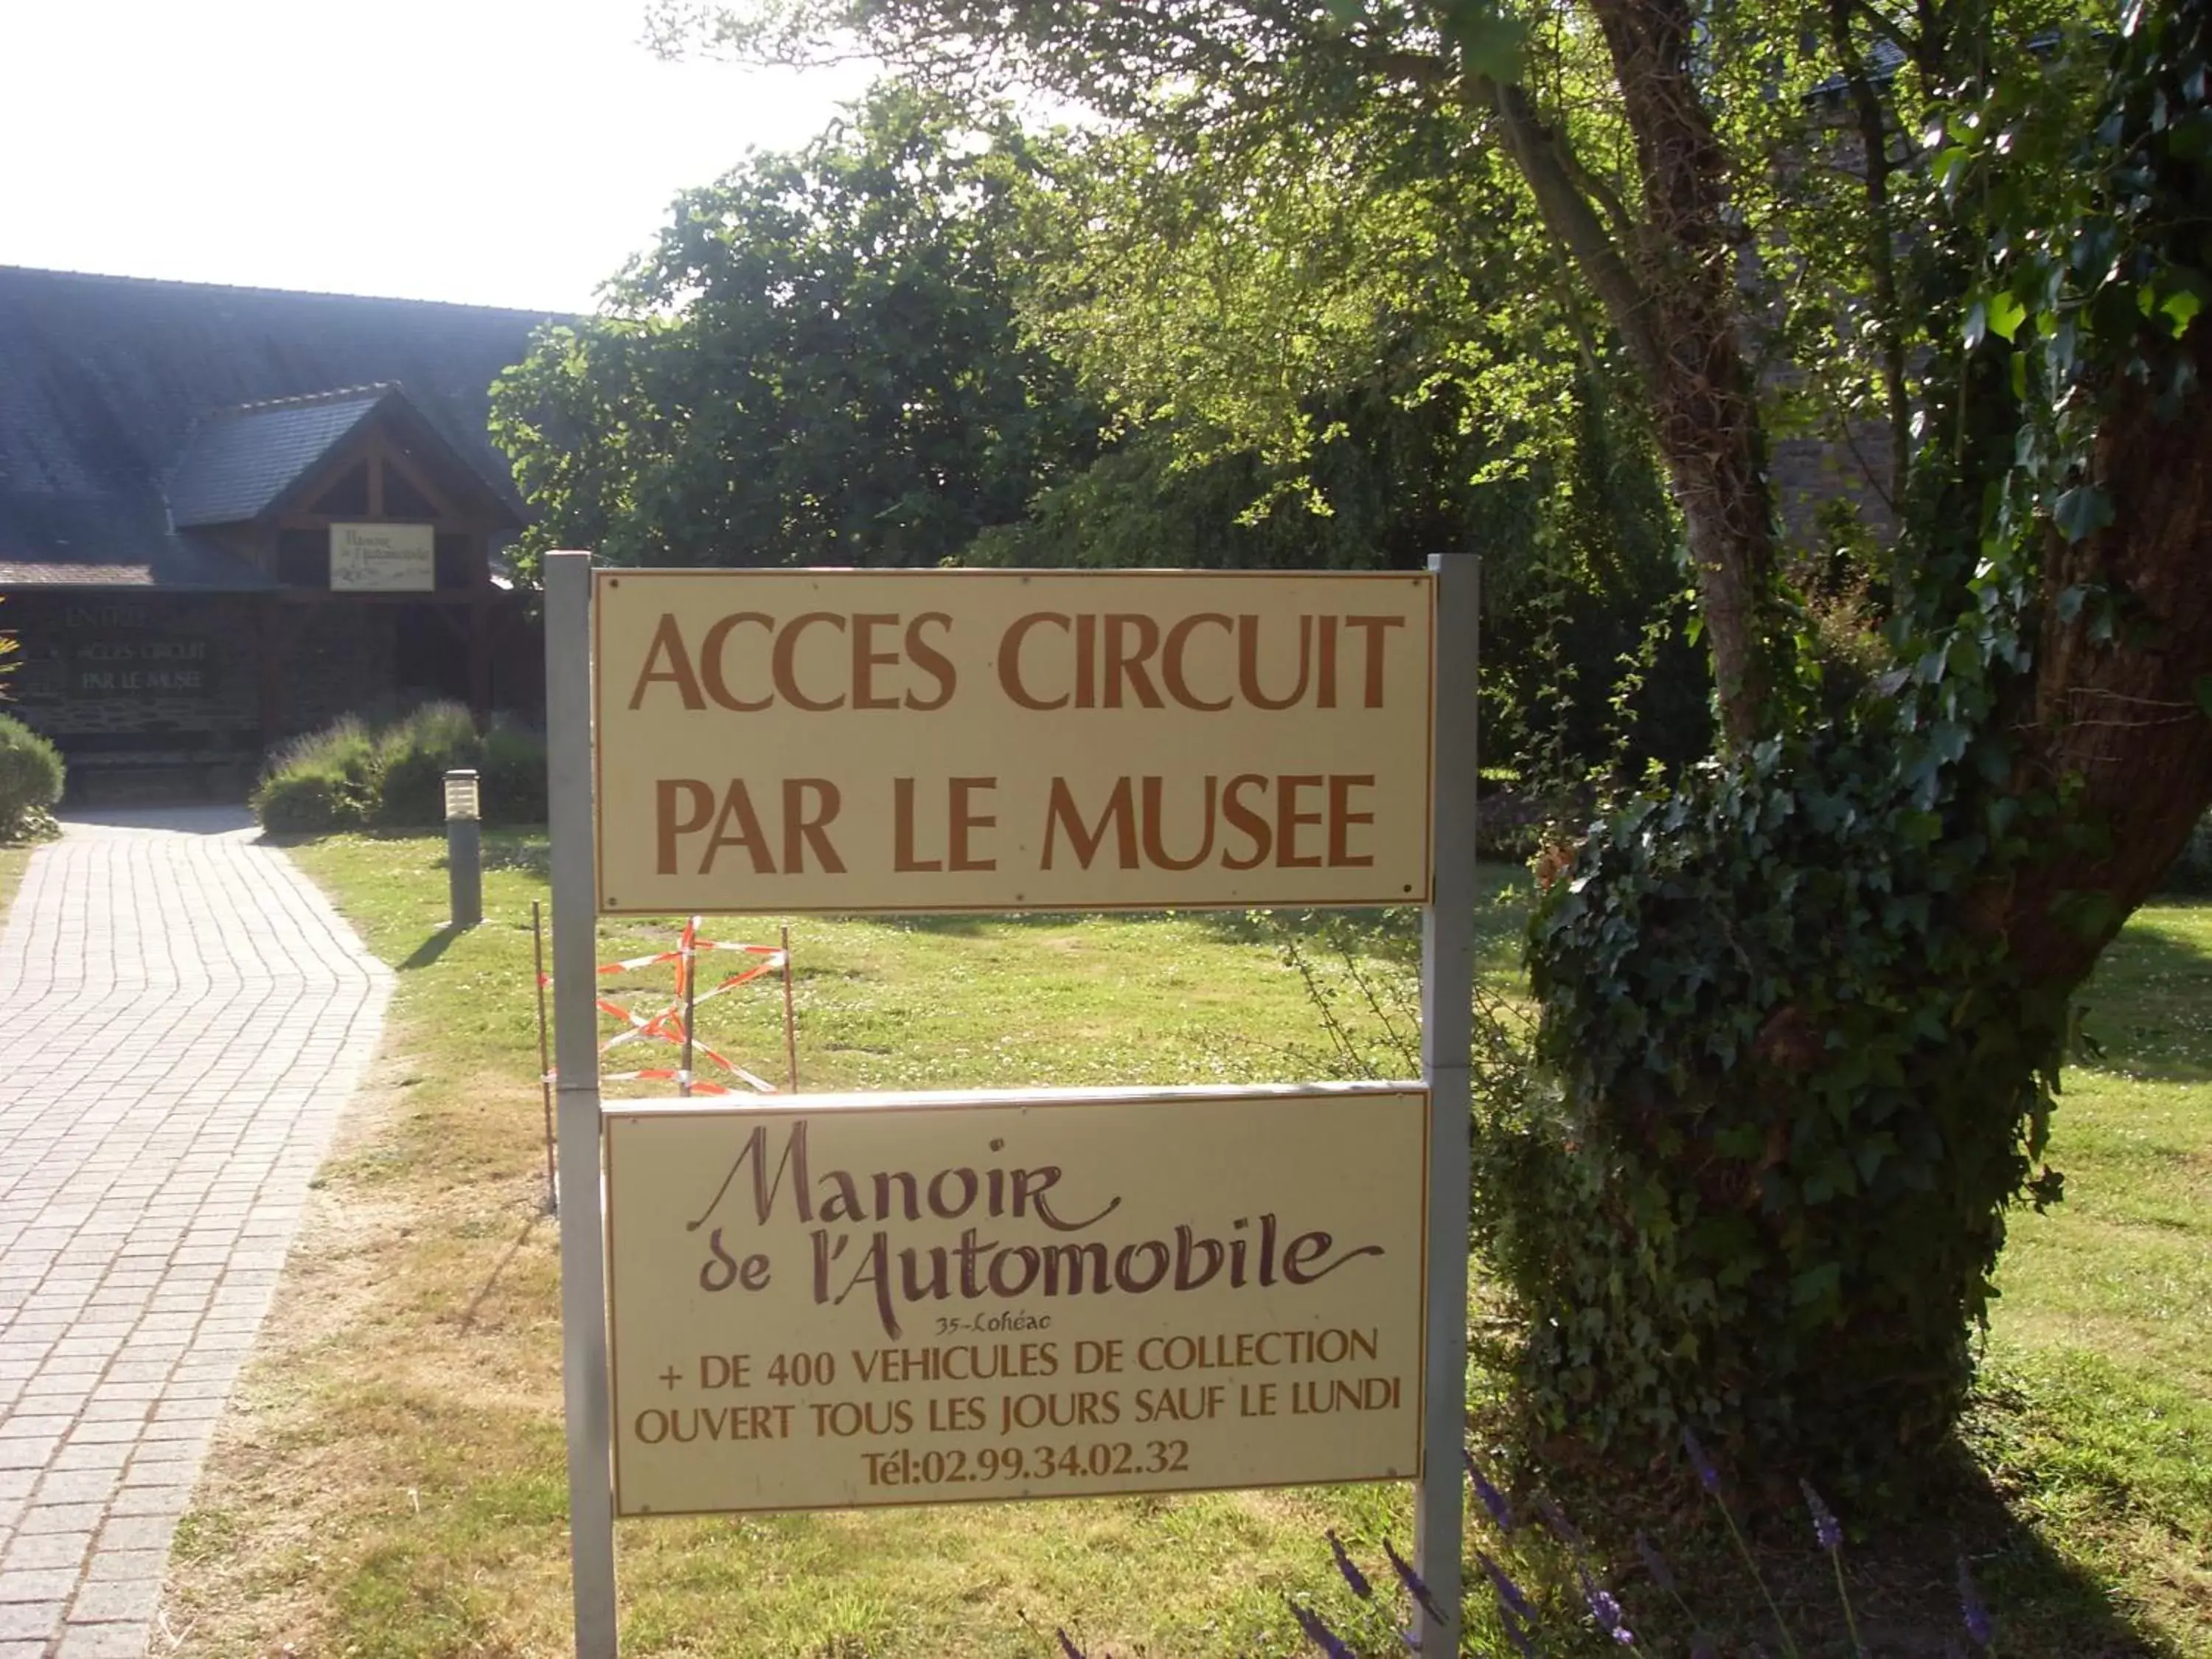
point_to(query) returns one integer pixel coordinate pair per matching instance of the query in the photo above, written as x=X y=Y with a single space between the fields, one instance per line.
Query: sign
x=870 y=1299
x=850 y=1301
x=812 y=740
x=124 y=666
x=383 y=558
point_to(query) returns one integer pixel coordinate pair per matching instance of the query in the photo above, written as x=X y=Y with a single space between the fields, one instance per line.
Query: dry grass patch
x=14 y=860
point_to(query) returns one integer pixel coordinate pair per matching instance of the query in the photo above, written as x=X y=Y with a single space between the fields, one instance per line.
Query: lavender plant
x=1520 y=1616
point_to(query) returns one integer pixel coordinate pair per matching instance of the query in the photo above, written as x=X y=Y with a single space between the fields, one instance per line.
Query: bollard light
x=464 y=847
x=461 y=795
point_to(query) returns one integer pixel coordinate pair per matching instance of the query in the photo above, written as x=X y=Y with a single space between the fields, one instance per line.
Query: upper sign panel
x=811 y=740
x=384 y=558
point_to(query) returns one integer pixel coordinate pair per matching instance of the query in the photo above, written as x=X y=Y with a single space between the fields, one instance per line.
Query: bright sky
x=498 y=152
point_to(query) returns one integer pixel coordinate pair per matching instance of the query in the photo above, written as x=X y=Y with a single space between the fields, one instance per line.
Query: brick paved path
x=181 y=1016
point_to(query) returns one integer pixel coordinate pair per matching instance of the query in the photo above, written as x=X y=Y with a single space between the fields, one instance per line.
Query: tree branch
x=1874 y=144
x=1540 y=156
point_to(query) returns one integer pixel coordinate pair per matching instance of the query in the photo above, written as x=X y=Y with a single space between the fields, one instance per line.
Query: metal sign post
x=584 y=1383
x=1447 y=1049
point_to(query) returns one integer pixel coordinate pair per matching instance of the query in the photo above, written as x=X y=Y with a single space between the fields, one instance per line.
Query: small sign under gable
x=856 y=1300
x=830 y=740
x=383 y=558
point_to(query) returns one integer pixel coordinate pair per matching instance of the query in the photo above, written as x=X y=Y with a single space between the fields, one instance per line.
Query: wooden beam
x=324 y=521
x=270 y=664
x=480 y=661
x=449 y=599
x=447 y=512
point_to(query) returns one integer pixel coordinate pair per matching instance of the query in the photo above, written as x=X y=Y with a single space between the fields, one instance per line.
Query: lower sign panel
x=843 y=1301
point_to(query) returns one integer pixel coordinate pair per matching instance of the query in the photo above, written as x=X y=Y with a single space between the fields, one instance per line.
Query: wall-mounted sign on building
x=130 y=666
x=870 y=1299
x=810 y=740
x=383 y=558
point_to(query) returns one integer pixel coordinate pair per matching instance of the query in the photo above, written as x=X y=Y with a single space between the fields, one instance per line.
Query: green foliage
x=1803 y=1075
x=1339 y=335
x=413 y=756
x=514 y=773
x=2087 y=308
x=303 y=802
x=32 y=778
x=350 y=775
x=10 y=648
x=1798 y=1094
x=818 y=363
x=324 y=781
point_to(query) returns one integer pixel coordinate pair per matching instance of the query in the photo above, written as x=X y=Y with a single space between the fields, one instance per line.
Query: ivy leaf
x=1816 y=1283
x=2082 y=511
x=2004 y=315
x=2180 y=308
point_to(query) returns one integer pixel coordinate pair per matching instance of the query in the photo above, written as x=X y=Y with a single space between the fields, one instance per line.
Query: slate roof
x=108 y=382
x=237 y=463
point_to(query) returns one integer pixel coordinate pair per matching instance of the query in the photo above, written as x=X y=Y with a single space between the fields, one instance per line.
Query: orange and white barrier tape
x=667 y=1026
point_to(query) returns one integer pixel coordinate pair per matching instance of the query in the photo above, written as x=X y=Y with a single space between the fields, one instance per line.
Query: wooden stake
x=790 y=1019
x=686 y=964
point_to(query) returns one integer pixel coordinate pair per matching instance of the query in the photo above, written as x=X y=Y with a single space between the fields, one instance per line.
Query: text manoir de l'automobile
x=849 y=1256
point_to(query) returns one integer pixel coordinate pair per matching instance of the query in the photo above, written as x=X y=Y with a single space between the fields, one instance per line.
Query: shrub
x=31 y=778
x=418 y=753
x=513 y=773
x=346 y=758
x=350 y=773
x=303 y=802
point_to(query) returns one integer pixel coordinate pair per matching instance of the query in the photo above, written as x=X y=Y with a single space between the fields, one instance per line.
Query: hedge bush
x=302 y=802
x=350 y=774
x=414 y=755
x=513 y=773
x=31 y=778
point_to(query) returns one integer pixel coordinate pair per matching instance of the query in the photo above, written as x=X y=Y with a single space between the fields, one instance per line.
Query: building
x=230 y=515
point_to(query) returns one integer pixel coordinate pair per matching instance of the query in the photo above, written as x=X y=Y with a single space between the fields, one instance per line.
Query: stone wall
x=140 y=688
x=158 y=694
x=110 y=663
x=336 y=659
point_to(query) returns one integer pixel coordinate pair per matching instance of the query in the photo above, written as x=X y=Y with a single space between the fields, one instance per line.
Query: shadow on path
x=171 y=820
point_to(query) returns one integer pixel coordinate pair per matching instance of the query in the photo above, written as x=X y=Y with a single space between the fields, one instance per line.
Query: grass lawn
x=14 y=860
x=2098 y=1424
x=390 y=1480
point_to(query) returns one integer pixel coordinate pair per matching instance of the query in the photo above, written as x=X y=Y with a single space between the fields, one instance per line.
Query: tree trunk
x=2120 y=725
x=1673 y=301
